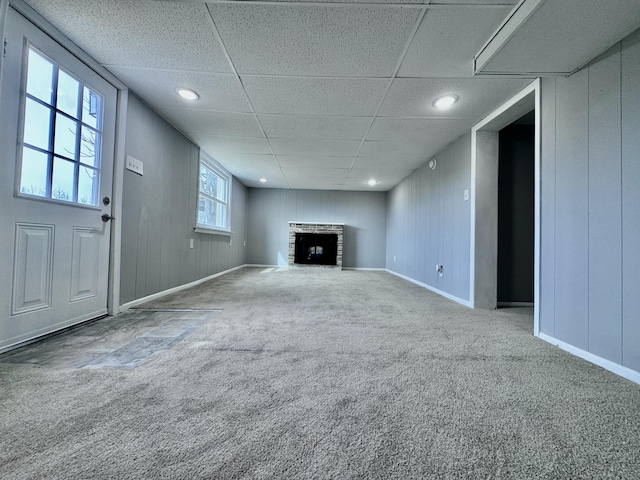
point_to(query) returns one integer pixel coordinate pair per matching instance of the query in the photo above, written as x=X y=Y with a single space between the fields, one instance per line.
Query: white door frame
x=113 y=298
x=484 y=272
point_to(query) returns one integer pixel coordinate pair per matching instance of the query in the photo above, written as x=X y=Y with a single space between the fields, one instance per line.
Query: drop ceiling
x=313 y=95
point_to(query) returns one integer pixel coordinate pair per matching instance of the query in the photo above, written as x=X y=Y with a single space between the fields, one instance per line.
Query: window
x=61 y=134
x=214 y=194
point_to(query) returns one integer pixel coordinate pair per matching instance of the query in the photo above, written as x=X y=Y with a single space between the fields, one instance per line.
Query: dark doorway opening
x=316 y=248
x=516 y=170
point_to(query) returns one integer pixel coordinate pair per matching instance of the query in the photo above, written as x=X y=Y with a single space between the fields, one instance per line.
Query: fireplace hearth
x=315 y=244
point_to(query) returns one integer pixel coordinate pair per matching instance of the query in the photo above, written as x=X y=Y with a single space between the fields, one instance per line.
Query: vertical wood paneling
x=547 y=206
x=631 y=202
x=572 y=227
x=159 y=212
x=270 y=210
x=428 y=222
x=605 y=204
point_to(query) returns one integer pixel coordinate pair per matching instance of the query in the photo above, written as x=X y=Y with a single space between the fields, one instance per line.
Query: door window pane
x=68 y=93
x=35 y=165
x=63 y=180
x=66 y=136
x=40 y=77
x=37 y=124
x=92 y=108
x=67 y=130
x=90 y=147
x=88 y=183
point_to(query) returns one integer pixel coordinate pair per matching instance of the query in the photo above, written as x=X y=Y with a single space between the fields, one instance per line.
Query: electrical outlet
x=134 y=165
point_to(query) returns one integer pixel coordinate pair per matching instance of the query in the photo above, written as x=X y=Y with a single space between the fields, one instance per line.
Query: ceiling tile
x=314 y=40
x=213 y=123
x=419 y=130
x=250 y=168
x=314 y=161
x=365 y=173
x=413 y=97
x=303 y=173
x=318 y=184
x=298 y=126
x=315 y=96
x=447 y=40
x=224 y=148
x=221 y=92
x=140 y=33
x=407 y=163
x=392 y=150
x=342 y=148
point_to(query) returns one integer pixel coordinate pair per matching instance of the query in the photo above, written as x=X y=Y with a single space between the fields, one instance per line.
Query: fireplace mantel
x=315 y=227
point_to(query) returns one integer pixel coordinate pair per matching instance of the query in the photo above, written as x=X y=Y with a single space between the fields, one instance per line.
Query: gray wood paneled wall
x=159 y=212
x=428 y=222
x=363 y=213
x=590 y=207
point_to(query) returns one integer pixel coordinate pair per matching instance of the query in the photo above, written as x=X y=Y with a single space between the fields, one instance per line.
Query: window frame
x=50 y=150
x=210 y=163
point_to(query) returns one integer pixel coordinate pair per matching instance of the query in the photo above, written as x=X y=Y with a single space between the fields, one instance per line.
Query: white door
x=57 y=124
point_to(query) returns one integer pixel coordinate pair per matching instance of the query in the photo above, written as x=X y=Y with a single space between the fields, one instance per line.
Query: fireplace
x=315 y=243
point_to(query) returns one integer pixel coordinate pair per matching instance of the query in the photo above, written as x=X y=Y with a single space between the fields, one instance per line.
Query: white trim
x=4 y=9
x=213 y=231
x=466 y=303
x=613 y=367
x=117 y=192
x=212 y=164
x=365 y=269
x=259 y=265
x=126 y=306
x=537 y=202
x=498 y=119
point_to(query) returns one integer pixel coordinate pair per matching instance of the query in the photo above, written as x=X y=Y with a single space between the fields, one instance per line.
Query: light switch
x=466 y=194
x=134 y=165
x=191 y=243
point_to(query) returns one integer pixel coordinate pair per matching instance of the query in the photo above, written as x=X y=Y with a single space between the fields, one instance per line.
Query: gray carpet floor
x=312 y=373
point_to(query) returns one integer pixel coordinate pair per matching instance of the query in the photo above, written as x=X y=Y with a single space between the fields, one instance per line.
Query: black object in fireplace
x=316 y=248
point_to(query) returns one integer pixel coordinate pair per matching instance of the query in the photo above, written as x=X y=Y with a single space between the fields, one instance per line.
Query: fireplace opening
x=316 y=248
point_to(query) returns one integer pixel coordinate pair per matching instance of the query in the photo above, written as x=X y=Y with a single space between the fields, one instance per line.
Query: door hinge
x=4 y=49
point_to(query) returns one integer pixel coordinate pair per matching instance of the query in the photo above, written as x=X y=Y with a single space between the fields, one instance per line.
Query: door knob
x=106 y=217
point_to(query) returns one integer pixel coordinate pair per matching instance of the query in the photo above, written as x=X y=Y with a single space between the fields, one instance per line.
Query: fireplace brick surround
x=308 y=227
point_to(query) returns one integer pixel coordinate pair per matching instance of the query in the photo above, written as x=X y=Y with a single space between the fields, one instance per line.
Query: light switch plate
x=134 y=165
x=466 y=194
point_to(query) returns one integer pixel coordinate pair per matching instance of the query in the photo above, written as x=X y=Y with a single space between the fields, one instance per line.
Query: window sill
x=213 y=231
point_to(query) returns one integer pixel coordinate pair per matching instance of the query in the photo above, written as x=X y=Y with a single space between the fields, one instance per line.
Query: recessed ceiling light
x=445 y=102
x=187 y=93
x=263 y=180
x=372 y=182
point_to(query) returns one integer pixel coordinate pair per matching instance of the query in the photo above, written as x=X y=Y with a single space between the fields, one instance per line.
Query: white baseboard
x=126 y=306
x=257 y=265
x=365 y=269
x=613 y=367
x=461 y=301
